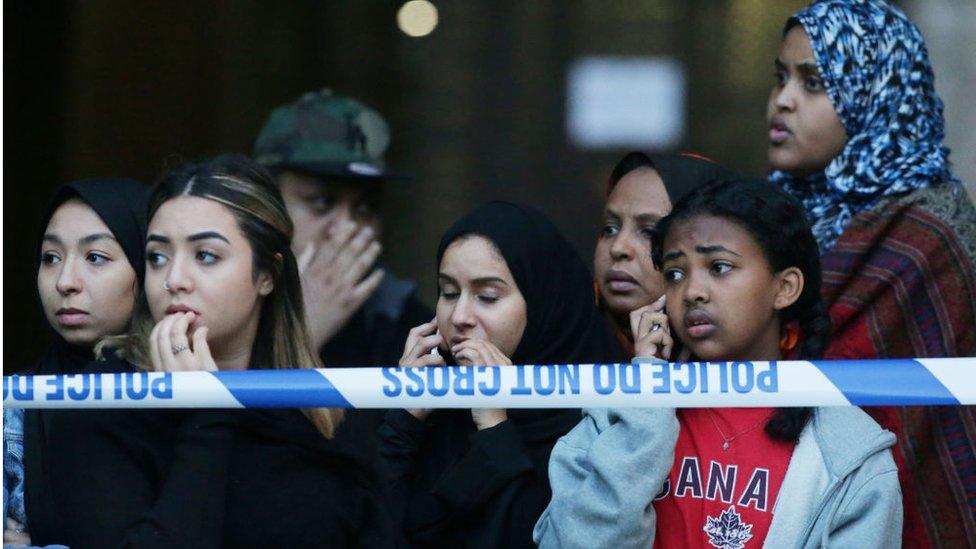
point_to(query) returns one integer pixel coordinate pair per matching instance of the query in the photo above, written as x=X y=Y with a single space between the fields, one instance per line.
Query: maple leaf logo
x=728 y=531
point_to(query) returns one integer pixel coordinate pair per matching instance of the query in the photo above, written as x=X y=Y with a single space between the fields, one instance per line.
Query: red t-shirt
x=721 y=498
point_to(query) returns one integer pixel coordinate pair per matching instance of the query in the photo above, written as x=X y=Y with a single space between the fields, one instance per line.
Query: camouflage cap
x=325 y=134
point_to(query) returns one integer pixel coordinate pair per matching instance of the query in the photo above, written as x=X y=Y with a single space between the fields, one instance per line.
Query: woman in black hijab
x=641 y=190
x=511 y=290
x=89 y=277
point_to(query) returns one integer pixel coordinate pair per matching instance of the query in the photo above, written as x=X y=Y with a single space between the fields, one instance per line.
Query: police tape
x=944 y=381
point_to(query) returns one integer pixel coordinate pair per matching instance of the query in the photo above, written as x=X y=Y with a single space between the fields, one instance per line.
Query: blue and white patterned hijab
x=876 y=70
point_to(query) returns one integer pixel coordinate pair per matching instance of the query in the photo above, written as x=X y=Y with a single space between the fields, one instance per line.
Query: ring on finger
x=655 y=327
x=177 y=349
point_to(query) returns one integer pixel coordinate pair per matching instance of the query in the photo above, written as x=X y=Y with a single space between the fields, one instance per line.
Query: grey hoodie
x=840 y=490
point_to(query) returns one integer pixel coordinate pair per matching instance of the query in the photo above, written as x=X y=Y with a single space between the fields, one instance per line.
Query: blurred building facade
x=477 y=108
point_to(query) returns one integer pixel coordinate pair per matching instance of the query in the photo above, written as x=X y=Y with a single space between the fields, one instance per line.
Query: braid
x=816 y=328
x=787 y=423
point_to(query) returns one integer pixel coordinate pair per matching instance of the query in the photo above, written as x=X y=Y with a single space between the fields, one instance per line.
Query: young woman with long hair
x=222 y=293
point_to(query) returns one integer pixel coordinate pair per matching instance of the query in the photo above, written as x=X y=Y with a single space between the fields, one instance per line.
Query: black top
x=455 y=486
x=206 y=478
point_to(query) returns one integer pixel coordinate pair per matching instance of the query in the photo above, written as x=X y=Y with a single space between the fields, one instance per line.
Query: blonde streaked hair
x=250 y=193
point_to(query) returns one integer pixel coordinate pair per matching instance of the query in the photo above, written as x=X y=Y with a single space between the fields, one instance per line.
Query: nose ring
x=166 y=286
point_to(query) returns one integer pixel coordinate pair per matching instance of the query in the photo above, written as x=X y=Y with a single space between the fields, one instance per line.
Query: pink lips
x=620 y=282
x=699 y=324
x=172 y=309
x=71 y=317
x=778 y=130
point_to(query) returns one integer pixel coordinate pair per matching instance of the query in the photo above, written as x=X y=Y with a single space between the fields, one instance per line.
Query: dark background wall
x=112 y=87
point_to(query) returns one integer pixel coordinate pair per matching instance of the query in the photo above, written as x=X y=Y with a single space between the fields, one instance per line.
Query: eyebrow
x=671 y=256
x=641 y=218
x=807 y=66
x=83 y=240
x=206 y=235
x=704 y=250
x=480 y=281
x=648 y=218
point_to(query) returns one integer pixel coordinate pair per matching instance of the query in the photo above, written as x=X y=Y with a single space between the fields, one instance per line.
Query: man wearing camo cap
x=326 y=152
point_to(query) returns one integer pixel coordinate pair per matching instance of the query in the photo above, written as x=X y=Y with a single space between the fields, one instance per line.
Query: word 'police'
x=124 y=386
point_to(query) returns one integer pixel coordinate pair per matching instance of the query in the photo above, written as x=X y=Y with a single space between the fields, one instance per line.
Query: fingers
x=328 y=226
x=657 y=343
x=656 y=307
x=154 y=355
x=359 y=253
x=178 y=332
x=201 y=350
x=345 y=235
x=361 y=263
x=652 y=322
x=420 y=340
x=652 y=334
x=660 y=303
x=305 y=257
x=164 y=343
x=334 y=236
x=479 y=352
x=635 y=317
x=364 y=289
x=667 y=346
x=429 y=360
x=418 y=332
x=170 y=347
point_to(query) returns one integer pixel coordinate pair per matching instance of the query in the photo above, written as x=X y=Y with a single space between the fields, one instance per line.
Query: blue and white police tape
x=945 y=381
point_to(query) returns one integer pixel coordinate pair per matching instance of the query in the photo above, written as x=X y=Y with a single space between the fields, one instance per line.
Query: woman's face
x=197 y=259
x=723 y=296
x=805 y=133
x=622 y=262
x=477 y=297
x=87 y=285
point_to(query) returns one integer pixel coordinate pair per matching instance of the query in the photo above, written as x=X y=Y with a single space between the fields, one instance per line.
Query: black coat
x=206 y=478
x=455 y=486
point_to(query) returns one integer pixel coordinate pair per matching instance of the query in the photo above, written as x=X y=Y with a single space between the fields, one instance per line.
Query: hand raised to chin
x=171 y=350
x=479 y=352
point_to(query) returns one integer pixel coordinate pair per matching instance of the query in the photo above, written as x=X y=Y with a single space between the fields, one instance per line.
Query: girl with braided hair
x=855 y=132
x=742 y=278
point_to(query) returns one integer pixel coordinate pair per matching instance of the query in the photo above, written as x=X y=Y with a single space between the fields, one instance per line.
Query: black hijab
x=121 y=204
x=681 y=173
x=563 y=325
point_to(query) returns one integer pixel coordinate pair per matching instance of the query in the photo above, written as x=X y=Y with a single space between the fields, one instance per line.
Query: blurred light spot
x=417 y=18
x=626 y=102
